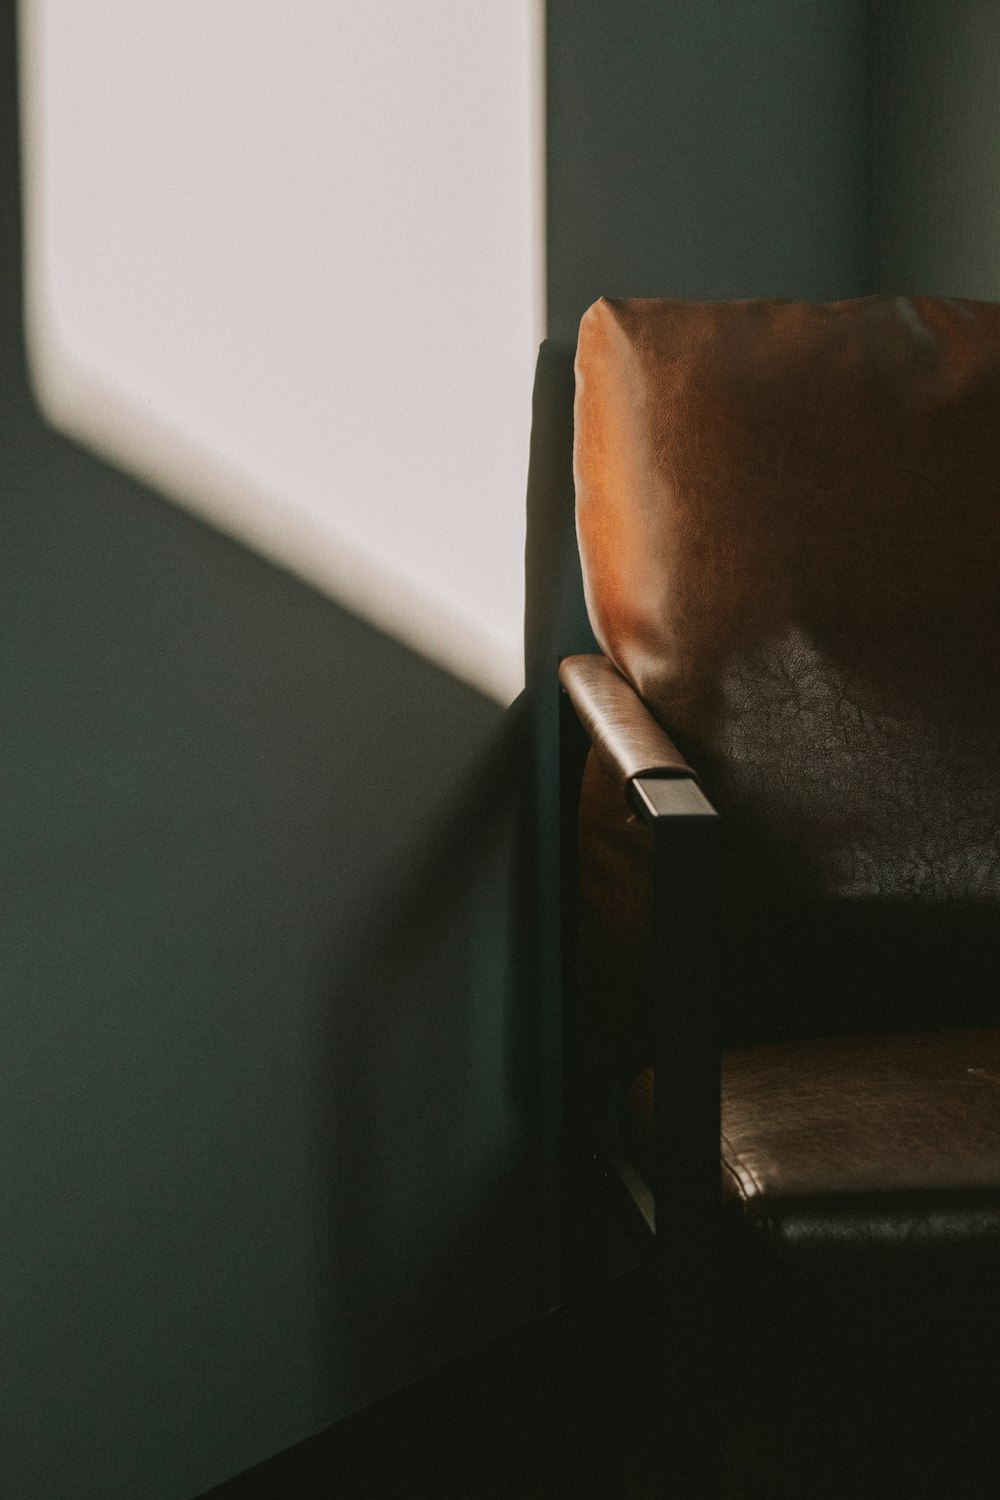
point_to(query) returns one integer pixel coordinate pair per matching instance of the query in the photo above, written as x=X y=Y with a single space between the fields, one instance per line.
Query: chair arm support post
x=574 y=745
x=685 y=1003
x=577 y=1211
x=686 y=1059
x=598 y=707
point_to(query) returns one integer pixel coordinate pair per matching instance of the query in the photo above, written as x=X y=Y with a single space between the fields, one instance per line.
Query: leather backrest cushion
x=789 y=524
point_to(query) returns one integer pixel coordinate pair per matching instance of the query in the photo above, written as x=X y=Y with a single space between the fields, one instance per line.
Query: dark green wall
x=717 y=149
x=938 y=149
x=263 y=1105
x=272 y=1130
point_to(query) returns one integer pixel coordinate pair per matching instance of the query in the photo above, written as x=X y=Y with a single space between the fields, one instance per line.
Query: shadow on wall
x=433 y=1206
x=267 y=1095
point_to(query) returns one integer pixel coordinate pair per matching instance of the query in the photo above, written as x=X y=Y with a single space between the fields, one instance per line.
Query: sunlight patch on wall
x=285 y=264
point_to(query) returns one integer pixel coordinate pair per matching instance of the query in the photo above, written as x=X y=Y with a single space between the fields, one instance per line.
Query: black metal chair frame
x=684 y=1241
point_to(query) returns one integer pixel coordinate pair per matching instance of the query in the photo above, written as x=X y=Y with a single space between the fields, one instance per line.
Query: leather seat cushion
x=879 y=1145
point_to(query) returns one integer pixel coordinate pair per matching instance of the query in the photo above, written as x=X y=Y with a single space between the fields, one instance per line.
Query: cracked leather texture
x=789 y=525
x=880 y=1143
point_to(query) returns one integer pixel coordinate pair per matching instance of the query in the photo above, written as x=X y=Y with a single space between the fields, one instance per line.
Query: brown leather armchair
x=782 y=924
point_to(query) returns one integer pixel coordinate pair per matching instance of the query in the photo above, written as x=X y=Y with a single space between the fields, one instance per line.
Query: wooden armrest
x=623 y=732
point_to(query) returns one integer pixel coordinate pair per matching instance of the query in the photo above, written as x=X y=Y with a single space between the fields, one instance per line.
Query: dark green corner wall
x=717 y=149
x=270 y=1076
x=937 y=179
